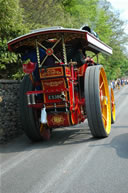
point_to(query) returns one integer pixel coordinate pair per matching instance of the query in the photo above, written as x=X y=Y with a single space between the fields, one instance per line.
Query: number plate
x=54 y=97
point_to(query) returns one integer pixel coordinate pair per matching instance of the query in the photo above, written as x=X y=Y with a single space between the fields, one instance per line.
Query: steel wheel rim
x=105 y=101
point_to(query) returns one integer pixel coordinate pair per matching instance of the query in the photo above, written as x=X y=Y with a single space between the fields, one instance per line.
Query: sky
x=122 y=7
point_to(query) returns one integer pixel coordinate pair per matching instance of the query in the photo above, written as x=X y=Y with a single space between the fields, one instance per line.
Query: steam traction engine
x=56 y=91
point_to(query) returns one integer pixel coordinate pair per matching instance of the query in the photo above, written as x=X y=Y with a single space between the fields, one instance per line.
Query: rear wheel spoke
x=104 y=118
x=101 y=85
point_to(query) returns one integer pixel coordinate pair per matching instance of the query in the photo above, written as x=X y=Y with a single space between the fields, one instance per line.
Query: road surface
x=72 y=161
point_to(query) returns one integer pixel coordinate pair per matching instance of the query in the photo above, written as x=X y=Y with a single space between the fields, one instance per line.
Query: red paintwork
x=29 y=67
x=49 y=51
x=58 y=119
x=54 y=83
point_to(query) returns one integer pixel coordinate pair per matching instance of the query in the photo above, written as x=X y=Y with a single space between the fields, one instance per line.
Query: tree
x=43 y=13
x=11 y=26
x=116 y=38
x=11 y=20
x=98 y=14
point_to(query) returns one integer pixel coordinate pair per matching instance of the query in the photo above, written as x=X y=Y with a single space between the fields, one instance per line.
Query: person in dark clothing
x=79 y=57
x=77 y=54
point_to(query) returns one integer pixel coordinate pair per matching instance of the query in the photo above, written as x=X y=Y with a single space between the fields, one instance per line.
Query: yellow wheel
x=97 y=99
x=113 y=108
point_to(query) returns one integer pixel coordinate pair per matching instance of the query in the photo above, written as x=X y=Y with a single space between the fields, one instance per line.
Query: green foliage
x=10 y=19
x=7 y=59
x=11 y=26
x=6 y=56
x=19 y=74
x=19 y=16
x=42 y=13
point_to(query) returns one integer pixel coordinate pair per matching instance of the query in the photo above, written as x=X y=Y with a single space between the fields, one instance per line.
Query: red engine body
x=57 y=80
x=61 y=95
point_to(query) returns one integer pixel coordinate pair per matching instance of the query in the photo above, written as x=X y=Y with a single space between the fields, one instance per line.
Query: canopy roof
x=88 y=40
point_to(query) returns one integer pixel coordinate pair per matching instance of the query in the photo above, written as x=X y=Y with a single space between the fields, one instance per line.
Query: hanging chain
x=64 y=51
x=38 y=54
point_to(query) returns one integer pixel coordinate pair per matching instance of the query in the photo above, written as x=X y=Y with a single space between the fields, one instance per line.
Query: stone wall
x=10 y=125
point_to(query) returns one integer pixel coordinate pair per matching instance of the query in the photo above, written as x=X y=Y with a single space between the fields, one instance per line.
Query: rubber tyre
x=29 y=120
x=96 y=109
x=113 y=109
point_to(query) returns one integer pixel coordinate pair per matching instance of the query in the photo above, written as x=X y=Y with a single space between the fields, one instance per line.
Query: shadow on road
x=63 y=136
x=120 y=144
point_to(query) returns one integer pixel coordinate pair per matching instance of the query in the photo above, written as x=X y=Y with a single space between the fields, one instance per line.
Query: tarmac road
x=72 y=161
